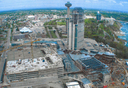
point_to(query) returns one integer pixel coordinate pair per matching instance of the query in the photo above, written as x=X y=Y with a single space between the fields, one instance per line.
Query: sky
x=118 y=5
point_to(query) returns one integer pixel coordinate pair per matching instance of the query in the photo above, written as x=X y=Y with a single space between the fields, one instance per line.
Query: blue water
x=125 y=30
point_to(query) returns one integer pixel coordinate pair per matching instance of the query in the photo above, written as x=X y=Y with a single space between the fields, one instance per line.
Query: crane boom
x=32 y=49
x=19 y=45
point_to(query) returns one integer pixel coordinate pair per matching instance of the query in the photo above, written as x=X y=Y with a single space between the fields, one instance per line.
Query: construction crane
x=32 y=49
x=22 y=45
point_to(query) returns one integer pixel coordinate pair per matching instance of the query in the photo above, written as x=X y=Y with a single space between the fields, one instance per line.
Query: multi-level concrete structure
x=75 y=27
x=48 y=66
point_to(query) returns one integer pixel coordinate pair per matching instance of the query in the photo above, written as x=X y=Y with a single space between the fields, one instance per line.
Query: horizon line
x=59 y=8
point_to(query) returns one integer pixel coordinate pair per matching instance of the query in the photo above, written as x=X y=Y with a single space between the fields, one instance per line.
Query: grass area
x=48 y=35
x=49 y=27
x=53 y=34
x=61 y=23
x=64 y=36
x=103 y=33
x=2 y=39
x=47 y=32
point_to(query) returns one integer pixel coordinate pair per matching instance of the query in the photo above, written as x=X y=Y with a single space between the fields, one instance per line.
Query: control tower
x=68 y=5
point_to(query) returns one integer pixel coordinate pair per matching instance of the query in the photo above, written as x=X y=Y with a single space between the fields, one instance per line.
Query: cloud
x=121 y=3
x=114 y=1
x=87 y=1
x=101 y=1
x=96 y=0
x=111 y=1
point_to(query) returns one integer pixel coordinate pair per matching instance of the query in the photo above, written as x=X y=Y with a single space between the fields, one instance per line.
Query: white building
x=31 y=17
x=73 y=85
x=55 y=16
x=89 y=17
x=110 y=21
x=25 y=30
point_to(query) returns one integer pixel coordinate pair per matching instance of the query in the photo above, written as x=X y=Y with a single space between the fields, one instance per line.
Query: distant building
x=89 y=17
x=109 y=21
x=36 y=17
x=75 y=27
x=25 y=30
x=31 y=17
x=0 y=21
x=98 y=16
x=18 y=37
x=55 y=16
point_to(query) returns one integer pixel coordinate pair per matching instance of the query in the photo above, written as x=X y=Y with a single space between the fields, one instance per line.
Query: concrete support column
x=68 y=12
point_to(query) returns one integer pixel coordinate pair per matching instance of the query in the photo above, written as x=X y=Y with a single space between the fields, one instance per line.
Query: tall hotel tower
x=98 y=16
x=75 y=28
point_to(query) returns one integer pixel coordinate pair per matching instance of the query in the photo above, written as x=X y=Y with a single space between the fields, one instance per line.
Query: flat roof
x=25 y=29
x=90 y=44
x=27 y=65
x=24 y=53
x=91 y=63
x=73 y=85
x=85 y=81
x=78 y=56
x=107 y=53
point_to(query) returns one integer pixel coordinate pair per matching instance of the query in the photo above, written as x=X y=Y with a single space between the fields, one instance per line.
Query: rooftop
x=25 y=29
x=107 y=53
x=26 y=65
x=78 y=10
x=85 y=81
x=23 y=53
x=77 y=57
x=73 y=85
x=91 y=63
x=68 y=4
x=91 y=45
x=31 y=16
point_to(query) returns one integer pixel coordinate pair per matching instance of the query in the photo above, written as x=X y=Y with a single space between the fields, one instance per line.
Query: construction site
x=33 y=62
x=26 y=65
x=49 y=64
x=48 y=59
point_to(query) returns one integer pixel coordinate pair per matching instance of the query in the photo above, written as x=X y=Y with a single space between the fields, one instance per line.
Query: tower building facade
x=75 y=27
x=98 y=16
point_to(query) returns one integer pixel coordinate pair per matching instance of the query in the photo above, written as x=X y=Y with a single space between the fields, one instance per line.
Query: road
x=57 y=34
x=4 y=55
x=49 y=33
x=8 y=39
